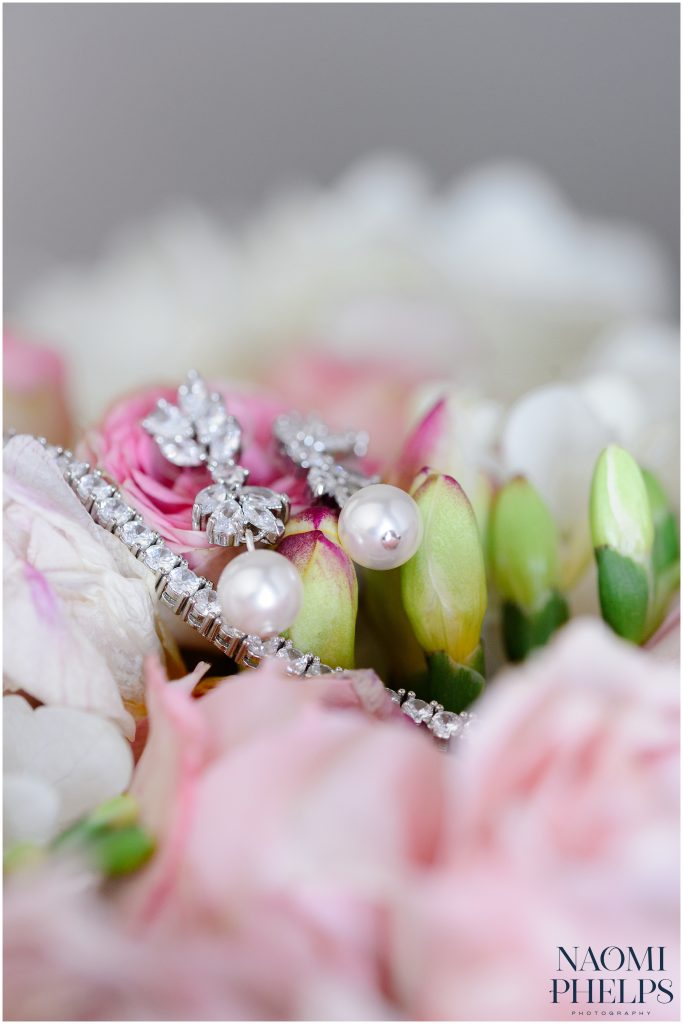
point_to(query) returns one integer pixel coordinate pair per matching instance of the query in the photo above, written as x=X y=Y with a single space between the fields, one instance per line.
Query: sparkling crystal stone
x=228 y=473
x=298 y=666
x=211 y=421
x=316 y=668
x=208 y=500
x=184 y=453
x=418 y=710
x=268 y=498
x=265 y=648
x=136 y=535
x=182 y=582
x=193 y=395
x=258 y=514
x=394 y=696
x=160 y=558
x=113 y=512
x=168 y=421
x=225 y=524
x=93 y=486
x=77 y=470
x=205 y=602
x=445 y=724
x=296 y=660
x=225 y=445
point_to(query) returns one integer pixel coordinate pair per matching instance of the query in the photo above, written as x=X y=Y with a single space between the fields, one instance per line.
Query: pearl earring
x=380 y=526
x=261 y=591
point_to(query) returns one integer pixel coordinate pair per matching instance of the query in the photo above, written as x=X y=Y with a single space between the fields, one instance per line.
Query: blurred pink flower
x=319 y=862
x=164 y=493
x=34 y=390
x=567 y=833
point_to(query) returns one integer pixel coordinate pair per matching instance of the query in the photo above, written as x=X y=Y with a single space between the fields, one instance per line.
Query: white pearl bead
x=260 y=592
x=380 y=527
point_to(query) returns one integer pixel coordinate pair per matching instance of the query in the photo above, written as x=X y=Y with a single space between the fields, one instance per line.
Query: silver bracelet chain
x=192 y=597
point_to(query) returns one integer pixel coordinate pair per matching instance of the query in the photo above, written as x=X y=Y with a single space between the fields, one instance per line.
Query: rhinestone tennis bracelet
x=192 y=597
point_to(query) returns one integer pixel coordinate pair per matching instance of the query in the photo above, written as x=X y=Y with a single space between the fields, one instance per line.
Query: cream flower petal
x=30 y=810
x=82 y=757
x=77 y=605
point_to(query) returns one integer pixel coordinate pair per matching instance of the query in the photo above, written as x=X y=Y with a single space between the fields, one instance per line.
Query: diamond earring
x=199 y=431
x=260 y=591
x=380 y=526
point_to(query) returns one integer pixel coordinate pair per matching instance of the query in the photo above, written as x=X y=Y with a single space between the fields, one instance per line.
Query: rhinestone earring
x=199 y=431
x=260 y=591
x=380 y=526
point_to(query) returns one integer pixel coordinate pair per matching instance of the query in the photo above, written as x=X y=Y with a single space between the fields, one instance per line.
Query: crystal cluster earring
x=261 y=591
x=380 y=526
x=199 y=431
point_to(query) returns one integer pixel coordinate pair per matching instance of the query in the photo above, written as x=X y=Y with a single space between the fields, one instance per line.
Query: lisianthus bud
x=622 y=528
x=326 y=623
x=523 y=550
x=619 y=506
x=444 y=587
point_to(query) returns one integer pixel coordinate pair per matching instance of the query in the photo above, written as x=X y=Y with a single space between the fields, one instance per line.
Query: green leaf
x=523 y=631
x=624 y=594
x=453 y=685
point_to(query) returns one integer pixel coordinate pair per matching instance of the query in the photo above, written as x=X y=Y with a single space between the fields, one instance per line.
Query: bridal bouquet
x=341 y=674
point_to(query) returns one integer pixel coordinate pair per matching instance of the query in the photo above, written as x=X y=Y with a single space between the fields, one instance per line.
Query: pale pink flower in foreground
x=78 y=608
x=34 y=390
x=318 y=862
x=567 y=834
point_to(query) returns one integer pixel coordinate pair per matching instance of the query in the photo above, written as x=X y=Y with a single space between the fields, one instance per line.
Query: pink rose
x=34 y=390
x=163 y=493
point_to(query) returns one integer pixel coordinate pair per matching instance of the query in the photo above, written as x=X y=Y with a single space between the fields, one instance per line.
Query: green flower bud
x=523 y=554
x=620 y=513
x=444 y=584
x=326 y=623
x=622 y=528
x=523 y=546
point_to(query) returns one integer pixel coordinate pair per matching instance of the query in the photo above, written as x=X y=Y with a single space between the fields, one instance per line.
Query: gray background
x=113 y=111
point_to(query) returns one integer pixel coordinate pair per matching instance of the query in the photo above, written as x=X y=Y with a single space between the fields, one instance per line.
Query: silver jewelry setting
x=308 y=442
x=199 y=431
x=192 y=597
